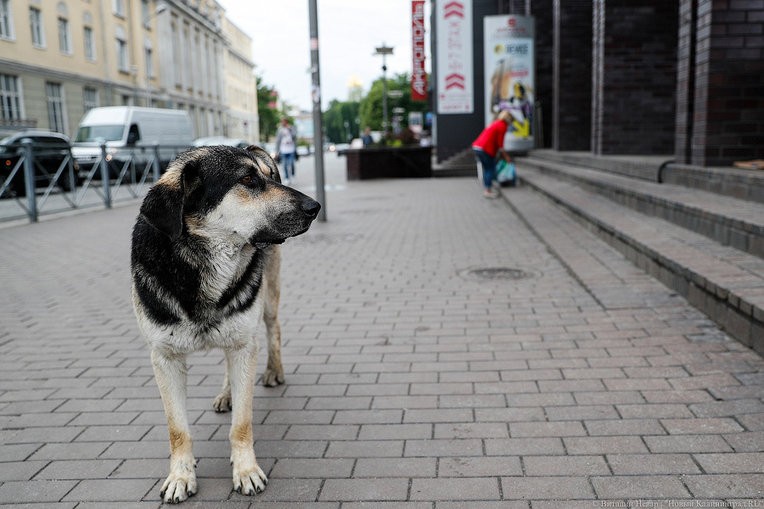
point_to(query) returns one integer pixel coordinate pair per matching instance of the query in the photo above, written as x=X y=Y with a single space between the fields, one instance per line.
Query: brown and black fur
x=205 y=267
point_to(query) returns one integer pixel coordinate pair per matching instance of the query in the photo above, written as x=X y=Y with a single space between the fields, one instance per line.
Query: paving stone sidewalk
x=415 y=377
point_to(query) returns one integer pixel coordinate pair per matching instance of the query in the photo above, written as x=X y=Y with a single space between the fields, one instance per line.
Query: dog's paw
x=178 y=487
x=222 y=402
x=249 y=481
x=273 y=377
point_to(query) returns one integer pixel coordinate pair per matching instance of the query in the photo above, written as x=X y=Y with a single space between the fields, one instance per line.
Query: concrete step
x=729 y=221
x=721 y=281
x=641 y=167
x=727 y=181
x=459 y=165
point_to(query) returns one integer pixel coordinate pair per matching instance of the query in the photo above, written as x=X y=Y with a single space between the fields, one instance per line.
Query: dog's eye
x=247 y=180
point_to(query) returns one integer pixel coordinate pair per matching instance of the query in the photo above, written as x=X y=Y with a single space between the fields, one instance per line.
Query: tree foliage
x=341 y=121
x=267 y=109
x=371 y=109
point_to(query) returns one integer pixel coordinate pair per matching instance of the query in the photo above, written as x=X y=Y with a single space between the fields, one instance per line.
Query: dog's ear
x=164 y=205
x=257 y=149
x=261 y=154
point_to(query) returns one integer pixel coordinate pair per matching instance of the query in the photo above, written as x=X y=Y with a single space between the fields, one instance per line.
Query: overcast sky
x=348 y=32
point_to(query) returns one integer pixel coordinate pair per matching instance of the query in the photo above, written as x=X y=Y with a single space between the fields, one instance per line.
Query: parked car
x=130 y=132
x=220 y=140
x=50 y=150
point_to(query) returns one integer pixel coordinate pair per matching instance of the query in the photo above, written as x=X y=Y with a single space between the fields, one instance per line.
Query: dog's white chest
x=228 y=263
x=232 y=332
x=227 y=304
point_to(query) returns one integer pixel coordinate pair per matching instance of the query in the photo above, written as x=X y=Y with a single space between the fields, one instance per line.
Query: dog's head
x=227 y=192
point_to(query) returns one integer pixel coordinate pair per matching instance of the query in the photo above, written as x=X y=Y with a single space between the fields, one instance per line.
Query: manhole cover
x=496 y=273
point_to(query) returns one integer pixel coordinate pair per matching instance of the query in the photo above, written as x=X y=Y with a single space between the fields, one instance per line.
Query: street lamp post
x=384 y=51
x=318 y=135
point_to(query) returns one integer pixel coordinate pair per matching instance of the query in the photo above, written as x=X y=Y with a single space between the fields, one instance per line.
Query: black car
x=50 y=150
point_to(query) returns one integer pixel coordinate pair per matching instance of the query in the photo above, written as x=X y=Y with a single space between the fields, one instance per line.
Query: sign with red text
x=418 y=74
x=510 y=76
x=453 y=55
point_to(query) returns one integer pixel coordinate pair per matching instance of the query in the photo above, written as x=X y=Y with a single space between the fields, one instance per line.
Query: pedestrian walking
x=286 y=146
x=366 y=138
x=488 y=147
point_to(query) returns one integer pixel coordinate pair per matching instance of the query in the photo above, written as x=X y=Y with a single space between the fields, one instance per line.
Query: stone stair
x=706 y=246
x=459 y=165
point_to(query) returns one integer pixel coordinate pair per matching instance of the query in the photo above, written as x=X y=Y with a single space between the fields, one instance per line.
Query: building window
x=119 y=8
x=89 y=98
x=35 y=23
x=55 y=107
x=10 y=97
x=149 y=63
x=64 y=39
x=6 y=22
x=89 y=41
x=186 y=66
x=146 y=13
x=177 y=78
x=122 y=59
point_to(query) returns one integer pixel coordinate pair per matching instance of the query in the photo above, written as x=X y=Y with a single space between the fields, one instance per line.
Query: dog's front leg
x=248 y=477
x=170 y=373
x=274 y=371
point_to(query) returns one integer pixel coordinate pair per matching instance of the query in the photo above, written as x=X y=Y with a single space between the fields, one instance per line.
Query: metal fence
x=38 y=179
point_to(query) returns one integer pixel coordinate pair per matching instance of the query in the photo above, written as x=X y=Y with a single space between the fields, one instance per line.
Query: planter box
x=386 y=162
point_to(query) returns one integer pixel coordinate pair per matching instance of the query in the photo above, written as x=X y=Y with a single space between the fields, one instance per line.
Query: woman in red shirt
x=487 y=146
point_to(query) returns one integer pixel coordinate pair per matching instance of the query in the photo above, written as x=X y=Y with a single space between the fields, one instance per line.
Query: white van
x=130 y=131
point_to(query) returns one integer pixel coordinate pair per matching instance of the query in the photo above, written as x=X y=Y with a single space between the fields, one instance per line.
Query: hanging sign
x=454 y=44
x=418 y=74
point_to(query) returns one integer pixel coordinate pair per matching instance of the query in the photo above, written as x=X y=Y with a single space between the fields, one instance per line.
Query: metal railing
x=38 y=179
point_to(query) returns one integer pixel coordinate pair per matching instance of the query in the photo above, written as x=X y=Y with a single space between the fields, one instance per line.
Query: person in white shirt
x=286 y=145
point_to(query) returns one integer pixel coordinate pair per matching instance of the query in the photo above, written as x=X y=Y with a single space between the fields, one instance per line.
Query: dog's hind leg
x=248 y=477
x=222 y=402
x=170 y=374
x=274 y=371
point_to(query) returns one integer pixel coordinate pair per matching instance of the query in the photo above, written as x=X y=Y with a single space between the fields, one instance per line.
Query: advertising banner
x=418 y=74
x=510 y=76
x=453 y=55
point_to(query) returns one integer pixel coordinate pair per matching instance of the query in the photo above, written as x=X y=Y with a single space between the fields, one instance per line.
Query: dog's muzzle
x=310 y=207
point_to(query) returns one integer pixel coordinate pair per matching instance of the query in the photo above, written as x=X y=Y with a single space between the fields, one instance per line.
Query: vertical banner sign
x=510 y=76
x=455 y=87
x=418 y=76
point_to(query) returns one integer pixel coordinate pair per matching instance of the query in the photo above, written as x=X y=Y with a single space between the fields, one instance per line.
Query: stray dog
x=205 y=270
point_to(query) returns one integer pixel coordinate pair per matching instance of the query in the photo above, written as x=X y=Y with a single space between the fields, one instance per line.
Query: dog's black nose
x=310 y=207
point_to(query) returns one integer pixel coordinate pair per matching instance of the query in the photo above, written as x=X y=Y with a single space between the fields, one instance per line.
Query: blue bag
x=505 y=173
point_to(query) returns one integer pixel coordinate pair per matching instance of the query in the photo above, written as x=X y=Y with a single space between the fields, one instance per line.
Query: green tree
x=341 y=121
x=267 y=109
x=371 y=110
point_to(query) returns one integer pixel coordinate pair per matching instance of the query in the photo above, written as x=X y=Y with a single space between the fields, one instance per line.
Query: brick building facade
x=682 y=77
x=720 y=83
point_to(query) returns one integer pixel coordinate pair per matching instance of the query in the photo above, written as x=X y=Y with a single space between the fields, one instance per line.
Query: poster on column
x=510 y=76
x=453 y=53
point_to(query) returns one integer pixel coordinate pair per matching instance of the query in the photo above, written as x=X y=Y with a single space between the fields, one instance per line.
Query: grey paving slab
x=411 y=381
